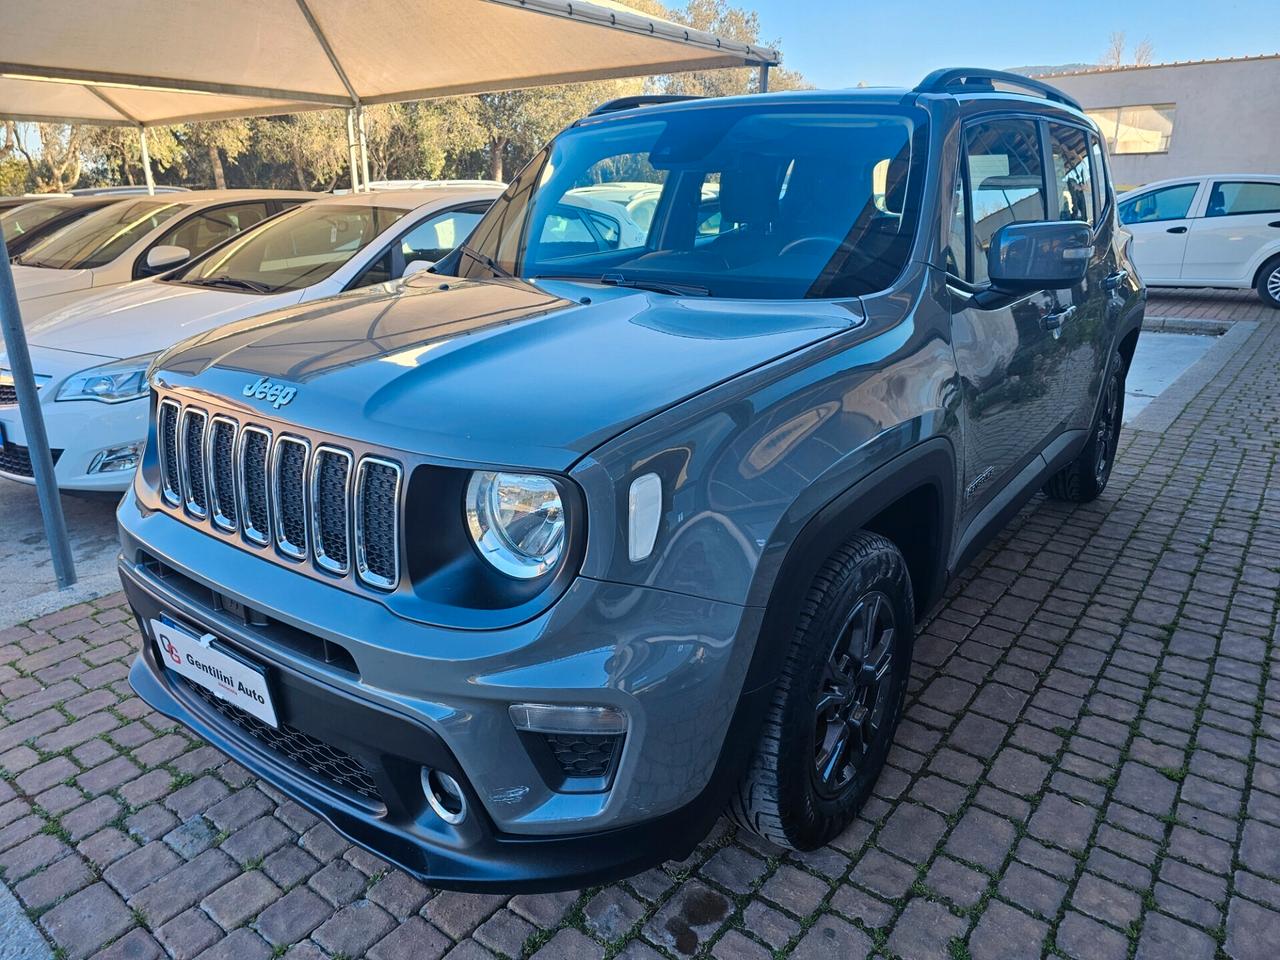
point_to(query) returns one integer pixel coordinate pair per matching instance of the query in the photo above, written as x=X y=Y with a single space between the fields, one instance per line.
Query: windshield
x=775 y=201
x=296 y=250
x=29 y=216
x=99 y=238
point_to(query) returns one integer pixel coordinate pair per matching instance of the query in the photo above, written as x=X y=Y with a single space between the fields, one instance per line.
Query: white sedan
x=1211 y=231
x=91 y=358
x=135 y=238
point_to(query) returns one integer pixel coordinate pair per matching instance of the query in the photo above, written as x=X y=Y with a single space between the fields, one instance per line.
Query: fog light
x=115 y=459
x=547 y=718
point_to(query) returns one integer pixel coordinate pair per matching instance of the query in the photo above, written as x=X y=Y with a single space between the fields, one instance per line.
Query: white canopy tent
x=145 y=63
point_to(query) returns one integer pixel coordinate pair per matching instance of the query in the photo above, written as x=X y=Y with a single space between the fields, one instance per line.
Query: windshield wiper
x=489 y=262
x=256 y=286
x=657 y=286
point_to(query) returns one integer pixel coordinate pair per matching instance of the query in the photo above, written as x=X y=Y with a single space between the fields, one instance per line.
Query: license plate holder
x=207 y=663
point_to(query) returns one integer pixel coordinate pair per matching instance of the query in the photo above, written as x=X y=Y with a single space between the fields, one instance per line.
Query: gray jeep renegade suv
x=522 y=571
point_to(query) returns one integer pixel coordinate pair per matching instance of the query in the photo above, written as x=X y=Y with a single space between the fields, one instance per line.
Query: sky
x=838 y=43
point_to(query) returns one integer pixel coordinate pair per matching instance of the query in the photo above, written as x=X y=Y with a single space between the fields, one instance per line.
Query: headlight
x=516 y=521
x=111 y=382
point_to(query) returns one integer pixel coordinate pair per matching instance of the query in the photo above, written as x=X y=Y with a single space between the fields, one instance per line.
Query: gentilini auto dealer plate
x=235 y=681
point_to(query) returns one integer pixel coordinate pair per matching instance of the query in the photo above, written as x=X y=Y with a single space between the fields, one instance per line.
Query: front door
x=1008 y=356
x=1241 y=218
x=1160 y=221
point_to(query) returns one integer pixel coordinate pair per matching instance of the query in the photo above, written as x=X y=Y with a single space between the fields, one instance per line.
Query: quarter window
x=1006 y=181
x=1145 y=128
x=1230 y=199
x=1074 y=185
x=1167 y=203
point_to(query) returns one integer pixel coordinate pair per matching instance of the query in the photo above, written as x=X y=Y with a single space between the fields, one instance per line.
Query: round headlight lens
x=517 y=522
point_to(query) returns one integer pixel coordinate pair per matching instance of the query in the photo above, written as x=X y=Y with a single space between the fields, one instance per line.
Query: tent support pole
x=24 y=381
x=146 y=160
x=764 y=78
x=351 y=151
x=364 y=146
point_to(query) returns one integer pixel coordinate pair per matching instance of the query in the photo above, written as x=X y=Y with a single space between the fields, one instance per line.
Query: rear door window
x=1073 y=179
x=1232 y=198
x=1005 y=179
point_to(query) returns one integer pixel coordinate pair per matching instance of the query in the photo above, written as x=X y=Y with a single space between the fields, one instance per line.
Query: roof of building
x=1155 y=66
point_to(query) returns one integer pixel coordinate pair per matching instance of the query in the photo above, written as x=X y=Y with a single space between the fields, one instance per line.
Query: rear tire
x=1085 y=477
x=1269 y=283
x=838 y=700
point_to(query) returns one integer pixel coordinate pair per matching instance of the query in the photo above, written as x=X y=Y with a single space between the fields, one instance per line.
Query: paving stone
x=925 y=931
x=982 y=838
x=242 y=944
x=188 y=934
x=735 y=945
x=794 y=890
x=137 y=944
x=734 y=869
x=86 y=920
x=505 y=933
x=289 y=866
x=399 y=894
x=354 y=928
x=134 y=871
x=544 y=909
x=1004 y=933
x=769 y=924
x=612 y=912
x=1083 y=938
x=236 y=901
x=831 y=938
x=570 y=944
x=686 y=922
x=457 y=914
x=1164 y=937
x=413 y=939
x=1253 y=931
x=338 y=882
x=62 y=878
x=912 y=832
x=293 y=916
x=961 y=885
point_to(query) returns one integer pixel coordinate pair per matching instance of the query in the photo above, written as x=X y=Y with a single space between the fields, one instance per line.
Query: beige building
x=1182 y=119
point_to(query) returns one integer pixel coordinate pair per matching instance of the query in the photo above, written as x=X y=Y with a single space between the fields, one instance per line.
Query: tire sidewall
x=810 y=818
x=1268 y=271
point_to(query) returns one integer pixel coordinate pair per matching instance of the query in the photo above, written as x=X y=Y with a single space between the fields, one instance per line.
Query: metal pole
x=764 y=78
x=146 y=160
x=364 y=146
x=24 y=381
x=351 y=151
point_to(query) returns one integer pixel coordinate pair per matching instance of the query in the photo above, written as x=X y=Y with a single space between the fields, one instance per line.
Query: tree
x=114 y=154
x=214 y=140
x=311 y=147
x=1143 y=53
x=1114 y=55
x=55 y=165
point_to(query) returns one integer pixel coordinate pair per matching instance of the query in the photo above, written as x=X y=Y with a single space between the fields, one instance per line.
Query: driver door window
x=436 y=236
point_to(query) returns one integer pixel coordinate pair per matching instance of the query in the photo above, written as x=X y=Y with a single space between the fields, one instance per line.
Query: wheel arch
x=910 y=500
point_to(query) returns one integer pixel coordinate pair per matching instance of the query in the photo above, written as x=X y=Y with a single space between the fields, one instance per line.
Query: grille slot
x=167 y=434
x=255 y=446
x=330 y=494
x=289 y=489
x=220 y=455
x=323 y=759
x=325 y=505
x=195 y=490
x=583 y=754
x=377 y=521
x=16 y=459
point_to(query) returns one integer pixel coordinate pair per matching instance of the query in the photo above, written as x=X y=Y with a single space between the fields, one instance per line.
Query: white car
x=1210 y=231
x=91 y=358
x=135 y=238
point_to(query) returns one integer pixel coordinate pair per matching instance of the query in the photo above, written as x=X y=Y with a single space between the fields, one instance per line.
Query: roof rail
x=643 y=100
x=980 y=80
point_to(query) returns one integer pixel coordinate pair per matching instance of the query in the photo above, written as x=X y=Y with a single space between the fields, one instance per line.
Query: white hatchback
x=1211 y=231
x=91 y=358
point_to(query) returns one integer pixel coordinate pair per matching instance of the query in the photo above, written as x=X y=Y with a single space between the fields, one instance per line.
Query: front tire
x=1269 y=283
x=838 y=700
x=1085 y=477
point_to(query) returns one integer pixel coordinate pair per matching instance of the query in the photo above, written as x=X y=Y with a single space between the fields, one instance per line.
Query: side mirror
x=165 y=256
x=1045 y=255
x=417 y=266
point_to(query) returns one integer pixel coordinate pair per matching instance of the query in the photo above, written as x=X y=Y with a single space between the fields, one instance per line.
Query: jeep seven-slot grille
x=324 y=506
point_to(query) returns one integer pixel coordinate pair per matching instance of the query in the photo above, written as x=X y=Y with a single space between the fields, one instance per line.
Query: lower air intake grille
x=583 y=755
x=336 y=766
x=16 y=460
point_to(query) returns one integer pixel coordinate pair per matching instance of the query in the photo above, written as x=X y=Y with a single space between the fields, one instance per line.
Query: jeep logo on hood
x=276 y=394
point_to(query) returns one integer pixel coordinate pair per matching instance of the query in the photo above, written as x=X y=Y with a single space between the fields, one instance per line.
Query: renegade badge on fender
x=521 y=572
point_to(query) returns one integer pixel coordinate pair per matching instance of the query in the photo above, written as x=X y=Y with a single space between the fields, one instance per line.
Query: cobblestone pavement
x=1089 y=768
x=1209 y=305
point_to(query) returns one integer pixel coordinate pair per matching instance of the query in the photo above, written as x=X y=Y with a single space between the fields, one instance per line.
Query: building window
x=1145 y=128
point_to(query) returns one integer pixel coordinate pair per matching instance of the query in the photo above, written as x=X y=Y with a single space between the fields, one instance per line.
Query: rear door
x=1240 y=228
x=1160 y=220
x=1007 y=357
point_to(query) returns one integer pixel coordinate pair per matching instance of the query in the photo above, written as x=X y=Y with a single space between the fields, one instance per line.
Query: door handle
x=1176 y=230
x=1053 y=321
x=1113 y=281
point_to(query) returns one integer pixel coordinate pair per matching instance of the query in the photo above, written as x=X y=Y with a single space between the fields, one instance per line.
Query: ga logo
x=172 y=651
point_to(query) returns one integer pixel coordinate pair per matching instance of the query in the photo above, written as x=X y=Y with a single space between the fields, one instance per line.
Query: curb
x=1166 y=408
x=19 y=939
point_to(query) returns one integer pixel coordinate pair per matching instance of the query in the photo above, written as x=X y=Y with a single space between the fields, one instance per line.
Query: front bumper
x=79 y=430
x=675 y=665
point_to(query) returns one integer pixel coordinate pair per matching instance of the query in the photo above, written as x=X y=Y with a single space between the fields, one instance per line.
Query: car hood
x=495 y=372
x=35 y=282
x=146 y=316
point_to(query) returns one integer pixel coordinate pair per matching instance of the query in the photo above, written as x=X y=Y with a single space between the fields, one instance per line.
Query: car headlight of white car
x=112 y=382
